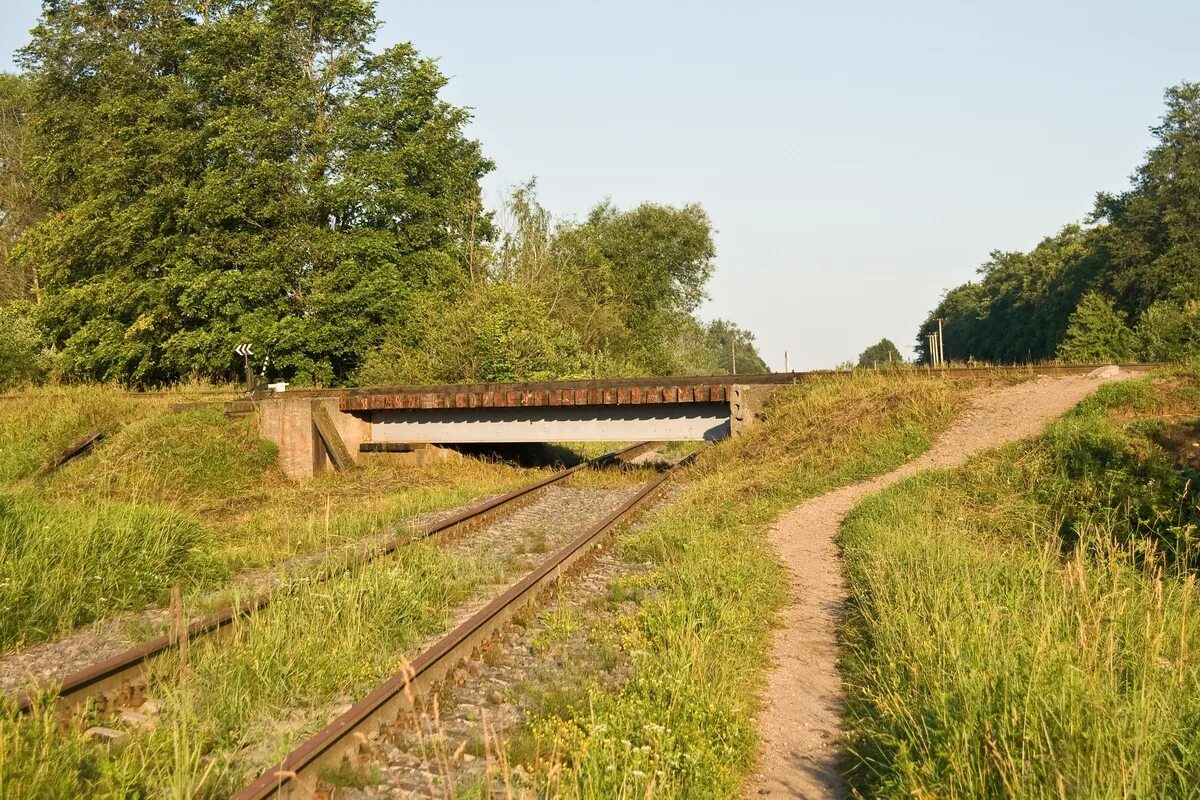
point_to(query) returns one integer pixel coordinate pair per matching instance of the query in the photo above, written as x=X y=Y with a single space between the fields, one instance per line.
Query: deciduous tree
x=246 y=172
x=881 y=353
x=1097 y=332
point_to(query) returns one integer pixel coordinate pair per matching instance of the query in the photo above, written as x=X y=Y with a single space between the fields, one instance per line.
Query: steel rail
x=115 y=680
x=298 y=774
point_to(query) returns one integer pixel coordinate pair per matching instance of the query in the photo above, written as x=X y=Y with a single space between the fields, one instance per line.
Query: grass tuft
x=71 y=563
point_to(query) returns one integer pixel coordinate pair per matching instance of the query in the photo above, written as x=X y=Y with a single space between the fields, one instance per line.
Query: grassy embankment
x=166 y=499
x=1026 y=626
x=682 y=725
x=240 y=704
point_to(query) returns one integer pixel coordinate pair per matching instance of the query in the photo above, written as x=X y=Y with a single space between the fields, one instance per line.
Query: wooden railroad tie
x=75 y=449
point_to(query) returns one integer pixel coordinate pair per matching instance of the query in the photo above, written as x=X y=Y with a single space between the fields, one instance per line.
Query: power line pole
x=941 y=343
x=785 y=363
x=733 y=355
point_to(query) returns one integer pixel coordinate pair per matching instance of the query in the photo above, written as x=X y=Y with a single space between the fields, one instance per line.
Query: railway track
x=341 y=742
x=118 y=682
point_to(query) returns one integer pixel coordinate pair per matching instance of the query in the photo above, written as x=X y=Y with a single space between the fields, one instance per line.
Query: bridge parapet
x=550 y=395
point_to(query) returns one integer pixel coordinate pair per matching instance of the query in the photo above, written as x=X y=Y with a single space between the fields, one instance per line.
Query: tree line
x=179 y=178
x=1124 y=284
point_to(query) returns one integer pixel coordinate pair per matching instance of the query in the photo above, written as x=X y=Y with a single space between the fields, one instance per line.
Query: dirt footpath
x=800 y=725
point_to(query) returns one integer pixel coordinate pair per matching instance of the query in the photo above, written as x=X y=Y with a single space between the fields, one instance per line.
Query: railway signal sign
x=245 y=351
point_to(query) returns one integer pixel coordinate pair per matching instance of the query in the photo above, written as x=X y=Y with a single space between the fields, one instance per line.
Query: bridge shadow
x=535 y=455
x=522 y=454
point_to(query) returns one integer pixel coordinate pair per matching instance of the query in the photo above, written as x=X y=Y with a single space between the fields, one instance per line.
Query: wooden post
x=179 y=634
x=941 y=343
x=338 y=454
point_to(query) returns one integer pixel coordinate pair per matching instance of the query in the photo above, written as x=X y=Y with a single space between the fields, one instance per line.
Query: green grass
x=682 y=726
x=70 y=563
x=1026 y=626
x=193 y=460
x=38 y=425
x=243 y=702
x=188 y=499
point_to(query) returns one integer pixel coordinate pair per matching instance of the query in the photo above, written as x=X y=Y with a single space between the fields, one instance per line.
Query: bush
x=25 y=356
x=495 y=332
x=1167 y=332
x=1097 y=332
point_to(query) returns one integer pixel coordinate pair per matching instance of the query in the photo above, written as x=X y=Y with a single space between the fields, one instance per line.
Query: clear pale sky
x=857 y=158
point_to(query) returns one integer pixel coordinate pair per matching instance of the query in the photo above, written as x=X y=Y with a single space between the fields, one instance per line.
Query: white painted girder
x=614 y=423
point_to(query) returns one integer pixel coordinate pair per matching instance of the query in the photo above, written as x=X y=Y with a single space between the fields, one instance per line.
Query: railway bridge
x=320 y=428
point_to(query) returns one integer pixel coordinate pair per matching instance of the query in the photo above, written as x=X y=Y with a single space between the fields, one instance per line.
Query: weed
x=67 y=564
x=346 y=777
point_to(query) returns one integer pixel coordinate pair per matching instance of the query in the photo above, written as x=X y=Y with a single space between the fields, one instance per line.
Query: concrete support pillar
x=746 y=405
x=288 y=422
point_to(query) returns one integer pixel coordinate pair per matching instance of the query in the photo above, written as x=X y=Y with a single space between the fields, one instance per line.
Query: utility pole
x=941 y=343
x=785 y=364
x=733 y=355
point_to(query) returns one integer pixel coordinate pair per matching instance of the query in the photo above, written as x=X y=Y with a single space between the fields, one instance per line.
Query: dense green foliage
x=882 y=352
x=1096 y=331
x=178 y=179
x=24 y=356
x=611 y=295
x=1025 y=626
x=244 y=172
x=1140 y=250
x=19 y=204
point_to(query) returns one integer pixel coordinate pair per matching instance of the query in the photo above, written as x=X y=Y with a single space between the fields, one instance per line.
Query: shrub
x=1167 y=332
x=1097 y=332
x=496 y=332
x=25 y=356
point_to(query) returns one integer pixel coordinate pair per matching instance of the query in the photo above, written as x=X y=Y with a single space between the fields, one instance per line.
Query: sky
x=857 y=159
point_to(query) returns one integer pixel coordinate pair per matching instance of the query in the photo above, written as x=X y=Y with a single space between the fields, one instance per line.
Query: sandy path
x=801 y=721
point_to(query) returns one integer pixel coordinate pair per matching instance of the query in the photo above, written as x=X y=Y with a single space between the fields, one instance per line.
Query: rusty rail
x=298 y=775
x=115 y=680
